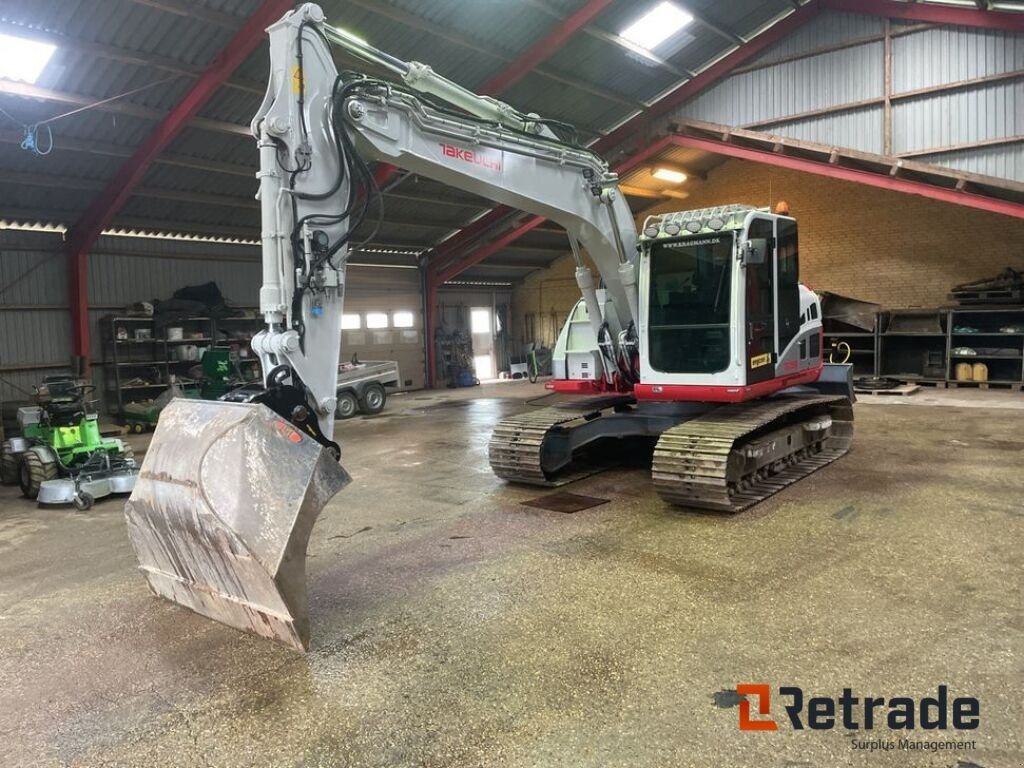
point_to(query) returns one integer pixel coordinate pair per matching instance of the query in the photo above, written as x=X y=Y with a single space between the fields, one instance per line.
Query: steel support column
x=430 y=326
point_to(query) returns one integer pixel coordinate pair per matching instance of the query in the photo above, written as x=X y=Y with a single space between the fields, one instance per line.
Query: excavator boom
x=228 y=491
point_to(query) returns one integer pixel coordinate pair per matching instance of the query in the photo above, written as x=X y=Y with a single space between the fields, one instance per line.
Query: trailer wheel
x=38 y=464
x=8 y=464
x=347 y=406
x=374 y=398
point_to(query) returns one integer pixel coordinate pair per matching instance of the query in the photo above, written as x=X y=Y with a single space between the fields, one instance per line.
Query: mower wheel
x=374 y=398
x=38 y=464
x=83 y=501
x=8 y=465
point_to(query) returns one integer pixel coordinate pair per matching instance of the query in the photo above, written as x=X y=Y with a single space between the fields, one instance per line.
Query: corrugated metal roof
x=471 y=41
x=466 y=40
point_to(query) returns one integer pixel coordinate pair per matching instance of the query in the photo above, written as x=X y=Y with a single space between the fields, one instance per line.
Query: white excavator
x=698 y=344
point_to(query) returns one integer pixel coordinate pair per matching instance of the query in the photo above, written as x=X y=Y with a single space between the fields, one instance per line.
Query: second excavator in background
x=697 y=340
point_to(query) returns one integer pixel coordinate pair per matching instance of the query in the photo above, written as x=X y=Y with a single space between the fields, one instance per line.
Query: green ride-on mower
x=60 y=456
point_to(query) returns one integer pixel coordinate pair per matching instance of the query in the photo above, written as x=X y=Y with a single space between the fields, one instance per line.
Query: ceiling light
x=667 y=174
x=657 y=25
x=23 y=59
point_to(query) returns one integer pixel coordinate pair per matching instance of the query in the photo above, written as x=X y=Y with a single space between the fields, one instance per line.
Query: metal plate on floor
x=566 y=502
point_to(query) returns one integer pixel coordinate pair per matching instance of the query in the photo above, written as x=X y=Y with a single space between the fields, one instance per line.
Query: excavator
x=698 y=337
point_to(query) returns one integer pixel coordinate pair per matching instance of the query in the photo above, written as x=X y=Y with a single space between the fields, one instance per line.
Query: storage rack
x=155 y=358
x=917 y=346
x=1003 y=353
x=863 y=344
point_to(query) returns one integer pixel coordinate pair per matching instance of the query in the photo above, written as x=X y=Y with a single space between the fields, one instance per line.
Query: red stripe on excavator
x=577 y=386
x=707 y=393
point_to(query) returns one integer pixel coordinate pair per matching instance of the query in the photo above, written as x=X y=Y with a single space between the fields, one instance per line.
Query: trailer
x=362 y=386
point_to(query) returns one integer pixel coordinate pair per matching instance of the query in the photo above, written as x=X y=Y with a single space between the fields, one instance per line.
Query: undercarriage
x=706 y=456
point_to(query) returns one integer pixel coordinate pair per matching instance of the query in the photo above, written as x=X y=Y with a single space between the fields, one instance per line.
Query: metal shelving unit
x=155 y=360
x=863 y=345
x=918 y=345
x=1002 y=352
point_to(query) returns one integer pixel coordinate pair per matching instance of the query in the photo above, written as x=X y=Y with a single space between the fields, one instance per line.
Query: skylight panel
x=656 y=26
x=23 y=59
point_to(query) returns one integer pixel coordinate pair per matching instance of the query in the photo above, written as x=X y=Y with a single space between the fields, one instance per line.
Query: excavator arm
x=229 y=491
x=317 y=130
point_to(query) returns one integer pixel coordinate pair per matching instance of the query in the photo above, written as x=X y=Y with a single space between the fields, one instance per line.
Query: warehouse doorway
x=481 y=326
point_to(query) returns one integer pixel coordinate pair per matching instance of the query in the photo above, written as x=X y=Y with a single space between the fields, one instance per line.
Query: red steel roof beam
x=522 y=64
x=490 y=249
x=684 y=91
x=544 y=48
x=717 y=71
x=101 y=212
x=931 y=13
x=880 y=180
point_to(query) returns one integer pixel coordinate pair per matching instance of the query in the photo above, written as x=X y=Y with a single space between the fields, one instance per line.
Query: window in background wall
x=403 y=319
x=376 y=319
x=480 y=321
x=351 y=321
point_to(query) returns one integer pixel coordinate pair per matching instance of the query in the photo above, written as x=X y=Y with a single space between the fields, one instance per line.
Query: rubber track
x=691 y=459
x=514 y=450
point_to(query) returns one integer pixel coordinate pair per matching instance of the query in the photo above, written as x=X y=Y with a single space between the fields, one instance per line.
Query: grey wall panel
x=1001 y=162
x=949 y=54
x=859 y=129
x=33 y=310
x=826 y=29
x=957 y=117
x=119 y=279
x=921 y=59
x=32 y=272
x=33 y=275
x=34 y=336
x=789 y=88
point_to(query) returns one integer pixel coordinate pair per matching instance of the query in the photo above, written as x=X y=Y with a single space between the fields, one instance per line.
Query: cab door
x=760 y=306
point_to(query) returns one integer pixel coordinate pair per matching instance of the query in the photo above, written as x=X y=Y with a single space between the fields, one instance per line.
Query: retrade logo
x=852 y=713
x=490 y=161
x=763 y=693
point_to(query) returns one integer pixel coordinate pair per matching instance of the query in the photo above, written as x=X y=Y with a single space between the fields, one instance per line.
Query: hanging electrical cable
x=31 y=143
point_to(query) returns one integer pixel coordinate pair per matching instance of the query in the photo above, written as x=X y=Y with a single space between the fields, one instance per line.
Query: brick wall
x=895 y=249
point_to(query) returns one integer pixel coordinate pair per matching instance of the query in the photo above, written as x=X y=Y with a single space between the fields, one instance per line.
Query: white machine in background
x=702 y=308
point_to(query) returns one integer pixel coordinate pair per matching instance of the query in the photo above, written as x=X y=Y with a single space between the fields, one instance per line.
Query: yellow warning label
x=759 y=360
x=296 y=79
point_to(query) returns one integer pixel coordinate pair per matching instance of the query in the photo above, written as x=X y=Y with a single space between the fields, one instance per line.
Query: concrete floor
x=453 y=626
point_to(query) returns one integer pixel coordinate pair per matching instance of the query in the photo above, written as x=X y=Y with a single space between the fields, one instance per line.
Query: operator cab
x=723 y=317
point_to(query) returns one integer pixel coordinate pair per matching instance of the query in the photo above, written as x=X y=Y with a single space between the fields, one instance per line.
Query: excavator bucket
x=222 y=512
